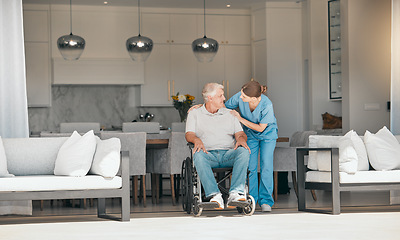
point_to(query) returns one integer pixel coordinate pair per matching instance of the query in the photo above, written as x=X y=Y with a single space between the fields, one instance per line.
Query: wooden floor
x=364 y=216
x=287 y=203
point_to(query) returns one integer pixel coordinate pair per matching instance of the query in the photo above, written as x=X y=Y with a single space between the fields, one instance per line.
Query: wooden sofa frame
x=335 y=186
x=100 y=194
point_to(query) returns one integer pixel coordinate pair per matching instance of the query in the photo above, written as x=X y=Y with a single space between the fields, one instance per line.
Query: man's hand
x=241 y=139
x=198 y=144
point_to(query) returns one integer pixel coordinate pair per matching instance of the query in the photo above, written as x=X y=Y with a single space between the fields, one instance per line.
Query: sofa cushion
x=3 y=161
x=52 y=183
x=321 y=160
x=383 y=150
x=358 y=177
x=76 y=155
x=359 y=146
x=106 y=159
x=32 y=156
x=348 y=159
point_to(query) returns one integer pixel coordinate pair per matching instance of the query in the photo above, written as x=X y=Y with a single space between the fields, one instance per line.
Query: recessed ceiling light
x=228 y=5
x=105 y=3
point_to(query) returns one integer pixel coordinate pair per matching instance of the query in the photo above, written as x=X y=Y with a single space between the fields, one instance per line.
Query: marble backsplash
x=108 y=105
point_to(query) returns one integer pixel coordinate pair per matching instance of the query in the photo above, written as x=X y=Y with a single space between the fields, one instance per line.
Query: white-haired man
x=219 y=141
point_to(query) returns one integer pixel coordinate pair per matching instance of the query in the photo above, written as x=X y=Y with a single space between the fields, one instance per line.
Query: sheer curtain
x=395 y=84
x=13 y=100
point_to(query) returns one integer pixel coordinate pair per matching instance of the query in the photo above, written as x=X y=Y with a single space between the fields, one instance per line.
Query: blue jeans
x=261 y=192
x=238 y=159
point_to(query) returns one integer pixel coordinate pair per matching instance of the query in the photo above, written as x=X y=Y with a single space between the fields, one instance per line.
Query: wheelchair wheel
x=187 y=185
x=196 y=209
x=249 y=210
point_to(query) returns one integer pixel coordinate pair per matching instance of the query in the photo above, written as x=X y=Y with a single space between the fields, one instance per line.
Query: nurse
x=257 y=116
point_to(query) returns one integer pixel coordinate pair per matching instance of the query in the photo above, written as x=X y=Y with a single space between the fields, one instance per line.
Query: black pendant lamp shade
x=71 y=46
x=139 y=47
x=204 y=48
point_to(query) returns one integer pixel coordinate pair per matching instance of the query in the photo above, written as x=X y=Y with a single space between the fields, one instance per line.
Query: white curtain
x=395 y=83
x=13 y=100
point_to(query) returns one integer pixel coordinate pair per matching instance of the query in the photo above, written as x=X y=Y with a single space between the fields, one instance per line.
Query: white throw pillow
x=106 y=160
x=359 y=146
x=3 y=161
x=348 y=159
x=76 y=155
x=383 y=150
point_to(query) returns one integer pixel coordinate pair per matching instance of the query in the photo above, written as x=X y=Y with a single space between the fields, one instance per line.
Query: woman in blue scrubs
x=257 y=116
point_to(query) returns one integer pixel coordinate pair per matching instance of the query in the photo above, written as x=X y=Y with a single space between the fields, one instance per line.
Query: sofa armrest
x=125 y=169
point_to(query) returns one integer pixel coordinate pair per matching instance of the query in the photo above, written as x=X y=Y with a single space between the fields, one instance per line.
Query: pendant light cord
x=70 y=15
x=139 y=15
x=204 y=18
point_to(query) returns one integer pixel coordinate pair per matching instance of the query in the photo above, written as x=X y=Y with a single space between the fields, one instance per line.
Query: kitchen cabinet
x=168 y=70
x=172 y=67
x=37 y=57
x=226 y=29
x=169 y=28
x=231 y=67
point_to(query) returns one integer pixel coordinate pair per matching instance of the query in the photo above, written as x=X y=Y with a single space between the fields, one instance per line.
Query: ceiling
x=216 y=4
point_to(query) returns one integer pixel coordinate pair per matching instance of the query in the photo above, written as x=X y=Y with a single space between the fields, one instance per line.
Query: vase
x=182 y=114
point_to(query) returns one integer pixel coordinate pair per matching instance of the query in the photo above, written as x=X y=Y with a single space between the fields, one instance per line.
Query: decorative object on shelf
x=182 y=103
x=205 y=48
x=139 y=47
x=331 y=122
x=71 y=46
x=335 y=50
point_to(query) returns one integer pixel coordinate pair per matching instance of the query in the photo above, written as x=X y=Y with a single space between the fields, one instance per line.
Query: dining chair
x=80 y=127
x=135 y=143
x=147 y=127
x=168 y=161
x=285 y=159
x=178 y=127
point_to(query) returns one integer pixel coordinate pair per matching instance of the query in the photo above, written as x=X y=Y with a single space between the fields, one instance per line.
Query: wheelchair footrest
x=240 y=204
x=208 y=205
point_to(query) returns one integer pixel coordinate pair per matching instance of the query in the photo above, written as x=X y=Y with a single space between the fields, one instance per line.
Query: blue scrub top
x=264 y=113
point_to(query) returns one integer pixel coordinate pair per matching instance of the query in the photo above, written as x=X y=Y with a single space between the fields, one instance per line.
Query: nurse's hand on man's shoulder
x=235 y=114
x=195 y=107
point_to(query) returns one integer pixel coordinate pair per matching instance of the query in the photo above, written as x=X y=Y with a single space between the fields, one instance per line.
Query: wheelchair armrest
x=191 y=145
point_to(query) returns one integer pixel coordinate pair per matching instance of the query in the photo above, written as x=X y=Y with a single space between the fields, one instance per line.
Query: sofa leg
x=125 y=209
x=101 y=207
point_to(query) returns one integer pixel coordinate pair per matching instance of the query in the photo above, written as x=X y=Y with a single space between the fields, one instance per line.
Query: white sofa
x=322 y=172
x=32 y=161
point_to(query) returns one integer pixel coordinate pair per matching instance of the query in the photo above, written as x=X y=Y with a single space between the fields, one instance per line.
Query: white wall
x=318 y=63
x=368 y=27
x=277 y=61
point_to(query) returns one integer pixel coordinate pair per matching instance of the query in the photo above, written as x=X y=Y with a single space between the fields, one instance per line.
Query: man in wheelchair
x=219 y=142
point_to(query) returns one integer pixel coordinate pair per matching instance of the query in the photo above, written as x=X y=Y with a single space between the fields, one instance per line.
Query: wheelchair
x=193 y=197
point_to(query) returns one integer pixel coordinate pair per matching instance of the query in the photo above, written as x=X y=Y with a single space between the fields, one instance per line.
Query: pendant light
x=139 y=47
x=71 y=46
x=205 y=48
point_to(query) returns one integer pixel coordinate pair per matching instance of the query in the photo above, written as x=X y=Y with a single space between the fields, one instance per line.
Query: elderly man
x=213 y=131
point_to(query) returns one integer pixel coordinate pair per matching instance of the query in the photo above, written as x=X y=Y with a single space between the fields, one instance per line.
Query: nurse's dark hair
x=253 y=89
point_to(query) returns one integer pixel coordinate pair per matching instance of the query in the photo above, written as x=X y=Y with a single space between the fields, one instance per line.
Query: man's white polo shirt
x=216 y=130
